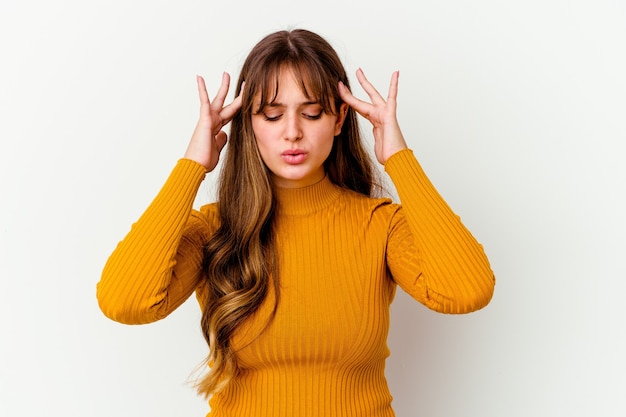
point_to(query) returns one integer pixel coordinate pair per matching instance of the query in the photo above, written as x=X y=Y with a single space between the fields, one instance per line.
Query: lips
x=294 y=156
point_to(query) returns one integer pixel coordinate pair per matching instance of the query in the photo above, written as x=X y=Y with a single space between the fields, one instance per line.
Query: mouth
x=294 y=156
x=293 y=152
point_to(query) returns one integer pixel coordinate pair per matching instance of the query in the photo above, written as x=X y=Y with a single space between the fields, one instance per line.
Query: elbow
x=113 y=308
x=474 y=295
x=122 y=309
x=477 y=296
x=483 y=298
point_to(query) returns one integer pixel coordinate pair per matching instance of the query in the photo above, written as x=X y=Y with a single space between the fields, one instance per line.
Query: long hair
x=240 y=261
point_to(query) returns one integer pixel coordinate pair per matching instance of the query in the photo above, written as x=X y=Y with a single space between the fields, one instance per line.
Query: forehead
x=285 y=83
x=288 y=88
x=293 y=84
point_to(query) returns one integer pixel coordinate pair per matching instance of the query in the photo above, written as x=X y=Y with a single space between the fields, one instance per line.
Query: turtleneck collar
x=307 y=200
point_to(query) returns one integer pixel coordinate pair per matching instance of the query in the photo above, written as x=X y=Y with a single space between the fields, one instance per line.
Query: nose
x=293 y=131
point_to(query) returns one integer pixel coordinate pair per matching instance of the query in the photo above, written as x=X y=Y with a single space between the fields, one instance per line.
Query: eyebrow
x=305 y=103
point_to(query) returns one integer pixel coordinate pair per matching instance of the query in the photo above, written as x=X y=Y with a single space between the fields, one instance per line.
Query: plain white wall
x=516 y=110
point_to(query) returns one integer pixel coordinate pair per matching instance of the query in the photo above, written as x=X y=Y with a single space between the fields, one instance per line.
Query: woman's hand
x=208 y=138
x=381 y=114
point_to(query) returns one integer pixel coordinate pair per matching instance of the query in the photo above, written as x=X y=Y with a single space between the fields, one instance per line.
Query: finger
x=220 y=140
x=243 y=86
x=345 y=93
x=220 y=97
x=228 y=112
x=371 y=91
x=393 y=86
x=202 y=93
x=361 y=107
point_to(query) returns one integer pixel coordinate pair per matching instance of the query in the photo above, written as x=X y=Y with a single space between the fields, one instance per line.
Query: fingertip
x=342 y=89
x=360 y=75
x=239 y=93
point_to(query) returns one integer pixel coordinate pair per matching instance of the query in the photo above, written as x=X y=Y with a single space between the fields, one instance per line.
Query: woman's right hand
x=208 y=138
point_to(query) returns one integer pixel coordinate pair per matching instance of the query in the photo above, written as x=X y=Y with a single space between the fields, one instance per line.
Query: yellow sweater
x=340 y=257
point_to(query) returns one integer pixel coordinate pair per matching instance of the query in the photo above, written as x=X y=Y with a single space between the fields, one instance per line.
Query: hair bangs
x=311 y=77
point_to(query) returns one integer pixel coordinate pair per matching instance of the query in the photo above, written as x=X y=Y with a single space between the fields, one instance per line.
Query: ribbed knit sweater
x=341 y=255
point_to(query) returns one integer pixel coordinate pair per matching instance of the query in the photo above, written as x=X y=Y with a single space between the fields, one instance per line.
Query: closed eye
x=313 y=116
x=271 y=118
x=305 y=115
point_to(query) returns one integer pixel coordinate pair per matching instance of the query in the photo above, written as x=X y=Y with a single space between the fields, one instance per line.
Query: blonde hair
x=240 y=260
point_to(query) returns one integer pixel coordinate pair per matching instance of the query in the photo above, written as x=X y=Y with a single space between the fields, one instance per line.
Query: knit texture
x=341 y=256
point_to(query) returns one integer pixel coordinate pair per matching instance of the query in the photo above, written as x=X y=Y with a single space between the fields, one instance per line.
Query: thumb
x=220 y=140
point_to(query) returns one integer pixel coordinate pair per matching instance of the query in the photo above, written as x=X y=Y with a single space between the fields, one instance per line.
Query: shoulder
x=380 y=207
x=209 y=210
x=202 y=223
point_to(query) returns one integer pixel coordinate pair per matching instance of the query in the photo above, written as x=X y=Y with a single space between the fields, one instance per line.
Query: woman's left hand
x=381 y=113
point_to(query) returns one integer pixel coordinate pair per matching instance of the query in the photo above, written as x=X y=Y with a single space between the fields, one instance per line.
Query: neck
x=306 y=200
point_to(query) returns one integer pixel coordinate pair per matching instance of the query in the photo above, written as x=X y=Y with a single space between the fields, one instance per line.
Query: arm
x=431 y=255
x=158 y=264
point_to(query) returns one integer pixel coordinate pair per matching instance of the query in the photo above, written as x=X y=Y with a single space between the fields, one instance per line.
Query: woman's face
x=294 y=135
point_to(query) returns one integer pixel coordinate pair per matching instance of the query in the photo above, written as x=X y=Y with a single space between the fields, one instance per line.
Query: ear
x=341 y=117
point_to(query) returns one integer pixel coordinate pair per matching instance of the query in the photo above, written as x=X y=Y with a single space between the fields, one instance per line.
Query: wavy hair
x=240 y=260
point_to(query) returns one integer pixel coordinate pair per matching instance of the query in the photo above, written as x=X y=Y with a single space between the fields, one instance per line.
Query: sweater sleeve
x=157 y=265
x=431 y=254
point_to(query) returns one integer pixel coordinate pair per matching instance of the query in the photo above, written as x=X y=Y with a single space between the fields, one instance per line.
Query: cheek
x=256 y=129
x=260 y=135
x=326 y=136
x=263 y=143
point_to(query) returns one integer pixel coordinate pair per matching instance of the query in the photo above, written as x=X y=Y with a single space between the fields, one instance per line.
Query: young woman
x=296 y=264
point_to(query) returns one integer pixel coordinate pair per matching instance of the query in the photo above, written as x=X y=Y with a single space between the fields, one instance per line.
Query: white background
x=516 y=109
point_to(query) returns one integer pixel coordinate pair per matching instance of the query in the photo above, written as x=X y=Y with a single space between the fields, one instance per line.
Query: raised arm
x=431 y=254
x=157 y=266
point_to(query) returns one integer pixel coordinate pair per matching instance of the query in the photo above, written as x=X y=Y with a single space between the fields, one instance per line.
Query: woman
x=296 y=264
